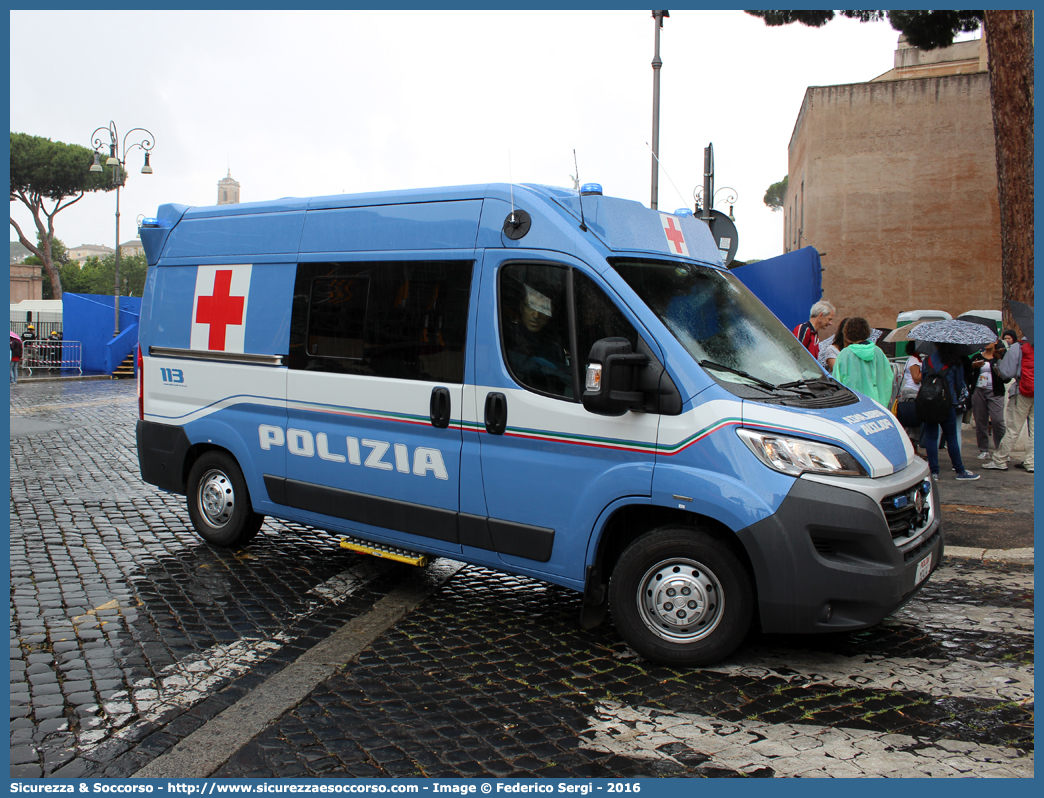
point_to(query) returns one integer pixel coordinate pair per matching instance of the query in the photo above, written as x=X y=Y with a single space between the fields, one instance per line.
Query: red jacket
x=808 y=336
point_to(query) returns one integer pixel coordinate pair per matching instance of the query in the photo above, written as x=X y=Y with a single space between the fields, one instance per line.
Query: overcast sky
x=314 y=103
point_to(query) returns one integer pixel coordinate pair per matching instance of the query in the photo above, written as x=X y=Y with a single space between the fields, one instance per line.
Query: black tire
x=674 y=563
x=219 y=502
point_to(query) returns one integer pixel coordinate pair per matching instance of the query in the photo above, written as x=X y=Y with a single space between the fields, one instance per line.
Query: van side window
x=404 y=320
x=534 y=327
x=597 y=317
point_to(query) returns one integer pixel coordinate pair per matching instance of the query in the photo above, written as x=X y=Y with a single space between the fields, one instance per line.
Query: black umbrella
x=1023 y=315
x=985 y=322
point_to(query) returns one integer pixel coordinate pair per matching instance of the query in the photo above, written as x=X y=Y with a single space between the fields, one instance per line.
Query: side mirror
x=611 y=384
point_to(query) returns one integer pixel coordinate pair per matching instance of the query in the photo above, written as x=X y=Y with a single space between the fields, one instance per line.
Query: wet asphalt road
x=130 y=639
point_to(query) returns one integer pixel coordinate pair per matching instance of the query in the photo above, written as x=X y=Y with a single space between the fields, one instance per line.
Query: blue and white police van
x=551 y=383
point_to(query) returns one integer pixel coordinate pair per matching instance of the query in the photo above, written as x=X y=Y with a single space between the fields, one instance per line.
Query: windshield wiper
x=710 y=364
x=803 y=383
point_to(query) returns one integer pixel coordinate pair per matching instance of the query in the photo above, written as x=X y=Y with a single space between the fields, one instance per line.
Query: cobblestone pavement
x=128 y=634
x=126 y=629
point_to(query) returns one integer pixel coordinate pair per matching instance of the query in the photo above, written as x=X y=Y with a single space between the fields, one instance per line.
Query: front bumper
x=827 y=560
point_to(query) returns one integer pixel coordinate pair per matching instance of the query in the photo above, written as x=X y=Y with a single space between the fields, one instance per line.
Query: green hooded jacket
x=865 y=368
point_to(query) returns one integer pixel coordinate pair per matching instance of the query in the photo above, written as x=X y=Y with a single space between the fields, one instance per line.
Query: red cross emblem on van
x=675 y=237
x=219 y=309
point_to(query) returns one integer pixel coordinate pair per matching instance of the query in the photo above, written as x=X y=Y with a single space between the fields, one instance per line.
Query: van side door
x=374 y=397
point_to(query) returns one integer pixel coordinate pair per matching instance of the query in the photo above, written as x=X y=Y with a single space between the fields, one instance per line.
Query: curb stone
x=1022 y=556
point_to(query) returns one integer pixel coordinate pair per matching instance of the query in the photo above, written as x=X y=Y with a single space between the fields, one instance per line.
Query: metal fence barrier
x=60 y=355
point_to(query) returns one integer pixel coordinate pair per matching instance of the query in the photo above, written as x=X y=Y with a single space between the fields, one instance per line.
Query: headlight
x=795 y=456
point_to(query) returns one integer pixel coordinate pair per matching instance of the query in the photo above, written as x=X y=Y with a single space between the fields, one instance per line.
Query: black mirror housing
x=611 y=381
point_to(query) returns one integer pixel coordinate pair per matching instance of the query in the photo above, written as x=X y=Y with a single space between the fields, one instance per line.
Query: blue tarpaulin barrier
x=89 y=319
x=788 y=285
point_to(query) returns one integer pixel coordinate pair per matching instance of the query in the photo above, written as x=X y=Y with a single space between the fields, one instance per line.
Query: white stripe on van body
x=201 y=394
x=178 y=392
x=366 y=397
x=528 y=417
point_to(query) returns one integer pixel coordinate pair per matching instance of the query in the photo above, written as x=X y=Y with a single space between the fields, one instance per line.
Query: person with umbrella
x=1017 y=365
x=952 y=338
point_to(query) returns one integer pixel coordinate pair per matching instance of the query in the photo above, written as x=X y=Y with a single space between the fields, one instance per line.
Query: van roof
x=452 y=217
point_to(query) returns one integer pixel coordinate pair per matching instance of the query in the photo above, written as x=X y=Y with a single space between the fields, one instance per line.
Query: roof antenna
x=517 y=223
x=511 y=184
x=579 y=193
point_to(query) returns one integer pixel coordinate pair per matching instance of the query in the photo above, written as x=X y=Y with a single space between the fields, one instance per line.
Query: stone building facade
x=26 y=282
x=84 y=251
x=894 y=181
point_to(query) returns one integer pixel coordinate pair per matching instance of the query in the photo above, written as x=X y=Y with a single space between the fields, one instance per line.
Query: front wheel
x=219 y=502
x=681 y=597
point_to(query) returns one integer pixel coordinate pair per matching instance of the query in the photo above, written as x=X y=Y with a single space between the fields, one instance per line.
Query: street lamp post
x=118 y=160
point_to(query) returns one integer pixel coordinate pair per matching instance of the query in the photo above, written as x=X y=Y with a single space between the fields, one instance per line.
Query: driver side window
x=534 y=327
x=539 y=329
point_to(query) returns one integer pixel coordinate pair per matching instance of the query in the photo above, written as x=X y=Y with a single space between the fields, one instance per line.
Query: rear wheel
x=219 y=502
x=681 y=597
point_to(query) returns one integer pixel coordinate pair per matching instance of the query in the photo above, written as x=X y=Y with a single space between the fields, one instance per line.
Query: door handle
x=496 y=413
x=439 y=408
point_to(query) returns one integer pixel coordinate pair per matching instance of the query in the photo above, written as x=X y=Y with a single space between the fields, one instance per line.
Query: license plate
x=924 y=567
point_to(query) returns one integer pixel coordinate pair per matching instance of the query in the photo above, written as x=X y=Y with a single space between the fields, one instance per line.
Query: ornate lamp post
x=704 y=208
x=118 y=160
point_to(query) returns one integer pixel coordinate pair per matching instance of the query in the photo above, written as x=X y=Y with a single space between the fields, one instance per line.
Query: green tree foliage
x=45 y=171
x=98 y=275
x=923 y=29
x=777 y=194
x=95 y=275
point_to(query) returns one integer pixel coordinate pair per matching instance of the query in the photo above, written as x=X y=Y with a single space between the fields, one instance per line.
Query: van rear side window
x=404 y=320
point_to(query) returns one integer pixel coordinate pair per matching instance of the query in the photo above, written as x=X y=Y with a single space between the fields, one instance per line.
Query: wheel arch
x=626 y=524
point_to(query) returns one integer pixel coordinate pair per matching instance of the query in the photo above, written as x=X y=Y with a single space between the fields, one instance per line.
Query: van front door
x=374 y=398
x=549 y=467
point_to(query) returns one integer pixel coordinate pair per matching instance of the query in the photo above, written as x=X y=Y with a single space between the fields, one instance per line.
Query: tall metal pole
x=656 y=64
x=116 y=288
x=708 y=182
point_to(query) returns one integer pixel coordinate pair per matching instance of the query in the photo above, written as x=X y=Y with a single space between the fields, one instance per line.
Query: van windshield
x=725 y=328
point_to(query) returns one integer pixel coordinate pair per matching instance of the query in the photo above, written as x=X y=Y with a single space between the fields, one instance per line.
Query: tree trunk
x=45 y=235
x=1009 y=42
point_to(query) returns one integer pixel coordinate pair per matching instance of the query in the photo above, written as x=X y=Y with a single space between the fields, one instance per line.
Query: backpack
x=1026 y=375
x=933 y=404
x=16 y=349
